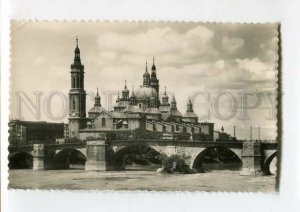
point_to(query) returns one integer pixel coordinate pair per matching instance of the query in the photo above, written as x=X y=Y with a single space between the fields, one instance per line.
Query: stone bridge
x=46 y=156
x=103 y=154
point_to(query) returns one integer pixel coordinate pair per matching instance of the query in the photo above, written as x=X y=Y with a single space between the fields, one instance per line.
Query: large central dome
x=146 y=91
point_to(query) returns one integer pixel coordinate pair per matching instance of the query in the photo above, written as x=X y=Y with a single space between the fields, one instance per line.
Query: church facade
x=143 y=109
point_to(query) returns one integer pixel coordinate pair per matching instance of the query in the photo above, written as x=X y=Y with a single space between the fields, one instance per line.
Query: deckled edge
x=279 y=110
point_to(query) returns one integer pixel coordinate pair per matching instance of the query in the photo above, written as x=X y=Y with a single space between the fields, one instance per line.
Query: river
x=225 y=178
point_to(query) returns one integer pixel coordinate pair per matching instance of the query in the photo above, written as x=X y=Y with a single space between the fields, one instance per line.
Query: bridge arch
x=148 y=155
x=64 y=158
x=267 y=163
x=196 y=161
x=20 y=160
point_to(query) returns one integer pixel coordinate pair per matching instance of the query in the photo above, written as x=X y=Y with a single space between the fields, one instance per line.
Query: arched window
x=78 y=86
x=73 y=82
x=73 y=104
x=103 y=122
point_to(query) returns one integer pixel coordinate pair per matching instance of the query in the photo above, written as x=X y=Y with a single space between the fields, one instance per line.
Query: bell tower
x=77 y=96
x=154 y=82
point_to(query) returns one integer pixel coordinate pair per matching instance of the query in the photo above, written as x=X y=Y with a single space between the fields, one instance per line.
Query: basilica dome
x=145 y=91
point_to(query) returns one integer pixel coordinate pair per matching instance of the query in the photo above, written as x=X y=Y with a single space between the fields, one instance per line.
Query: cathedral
x=143 y=109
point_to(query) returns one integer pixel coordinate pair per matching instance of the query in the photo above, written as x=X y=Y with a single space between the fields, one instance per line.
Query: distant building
x=27 y=132
x=223 y=136
x=142 y=110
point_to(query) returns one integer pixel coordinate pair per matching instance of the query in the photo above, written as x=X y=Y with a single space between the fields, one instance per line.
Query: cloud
x=108 y=56
x=189 y=57
x=154 y=40
x=160 y=41
x=269 y=50
x=232 y=45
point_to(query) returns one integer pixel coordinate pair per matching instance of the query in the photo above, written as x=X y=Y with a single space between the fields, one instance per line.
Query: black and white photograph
x=144 y=106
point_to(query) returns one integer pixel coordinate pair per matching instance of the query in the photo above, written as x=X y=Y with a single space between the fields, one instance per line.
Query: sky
x=214 y=64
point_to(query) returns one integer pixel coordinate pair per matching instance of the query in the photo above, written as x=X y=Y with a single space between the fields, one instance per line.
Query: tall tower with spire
x=77 y=96
x=154 y=82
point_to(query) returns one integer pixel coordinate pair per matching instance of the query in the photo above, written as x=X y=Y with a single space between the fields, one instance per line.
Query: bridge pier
x=98 y=156
x=251 y=158
x=41 y=160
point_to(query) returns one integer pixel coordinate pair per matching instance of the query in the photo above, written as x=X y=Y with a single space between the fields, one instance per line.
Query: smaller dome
x=146 y=74
x=165 y=96
x=125 y=90
x=153 y=67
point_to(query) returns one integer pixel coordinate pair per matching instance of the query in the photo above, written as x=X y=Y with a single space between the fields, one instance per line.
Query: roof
x=190 y=115
x=206 y=122
x=121 y=104
x=96 y=109
x=133 y=109
x=105 y=112
x=17 y=121
x=175 y=113
x=122 y=115
x=152 y=111
x=165 y=116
